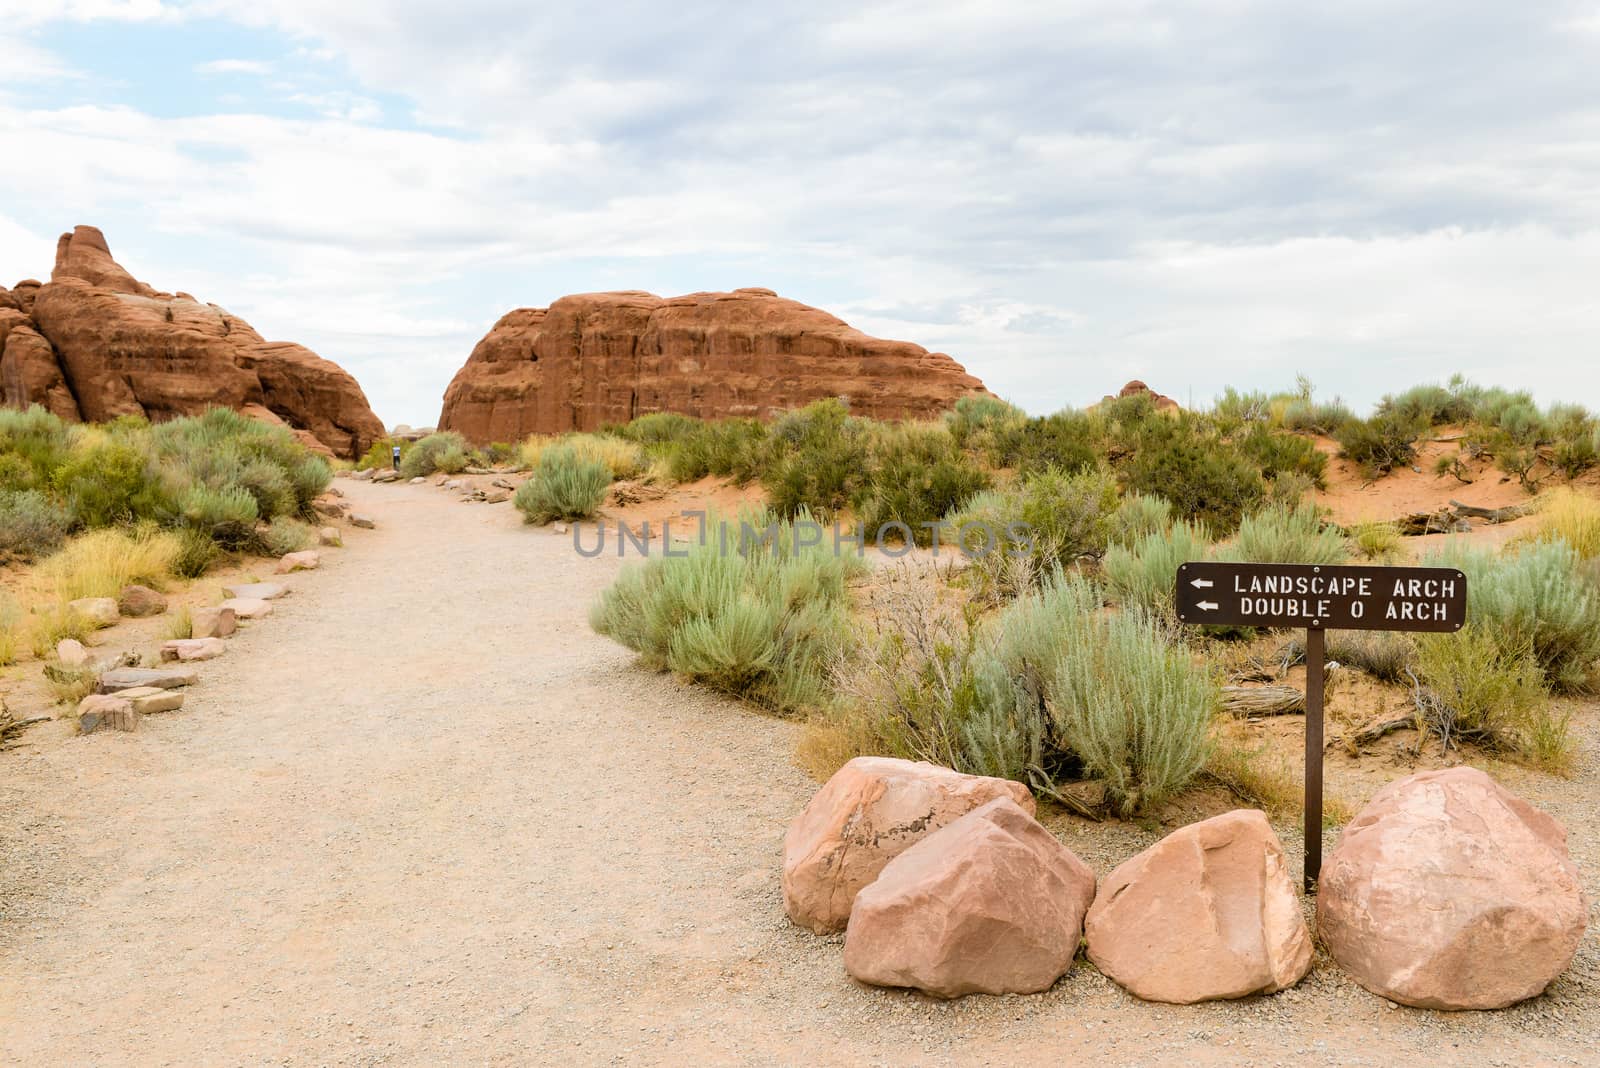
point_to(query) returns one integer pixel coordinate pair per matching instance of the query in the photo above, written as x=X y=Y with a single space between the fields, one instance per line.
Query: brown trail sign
x=1320 y=598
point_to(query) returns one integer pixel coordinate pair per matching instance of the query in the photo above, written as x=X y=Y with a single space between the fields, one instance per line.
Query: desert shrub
x=918 y=477
x=1145 y=573
x=1430 y=405
x=1235 y=409
x=759 y=619
x=197 y=552
x=1534 y=599
x=11 y=629
x=33 y=443
x=1385 y=655
x=425 y=456
x=100 y=484
x=1206 y=479
x=1382 y=443
x=1571 y=518
x=71 y=685
x=1310 y=417
x=380 y=454
x=1138 y=516
x=31 y=524
x=285 y=534
x=180 y=624
x=1067 y=441
x=1016 y=537
x=48 y=628
x=269 y=485
x=982 y=424
x=1376 y=540
x=101 y=562
x=228 y=516
x=564 y=485
x=822 y=461
x=658 y=428
x=1480 y=690
x=622 y=458
x=1285 y=535
x=1278 y=454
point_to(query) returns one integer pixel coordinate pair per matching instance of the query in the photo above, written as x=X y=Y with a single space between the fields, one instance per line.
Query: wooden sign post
x=1320 y=598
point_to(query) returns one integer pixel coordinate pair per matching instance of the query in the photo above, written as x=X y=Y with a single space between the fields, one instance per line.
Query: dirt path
x=422 y=815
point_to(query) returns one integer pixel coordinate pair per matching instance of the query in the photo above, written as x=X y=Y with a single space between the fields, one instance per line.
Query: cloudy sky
x=1062 y=195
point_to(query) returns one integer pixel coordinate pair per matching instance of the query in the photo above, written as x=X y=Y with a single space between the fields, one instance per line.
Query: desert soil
x=422 y=815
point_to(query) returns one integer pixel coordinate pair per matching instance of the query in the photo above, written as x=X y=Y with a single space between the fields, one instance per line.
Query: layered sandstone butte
x=94 y=343
x=599 y=358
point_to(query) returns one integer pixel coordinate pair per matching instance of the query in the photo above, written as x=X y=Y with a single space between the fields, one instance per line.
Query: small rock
x=187 y=649
x=212 y=622
x=304 y=560
x=333 y=491
x=496 y=498
x=248 y=607
x=871 y=811
x=455 y=485
x=71 y=652
x=419 y=480
x=502 y=484
x=476 y=471
x=387 y=476
x=161 y=678
x=364 y=475
x=365 y=522
x=101 y=611
x=560 y=528
x=138 y=601
x=329 y=536
x=102 y=712
x=331 y=509
x=148 y=700
x=261 y=591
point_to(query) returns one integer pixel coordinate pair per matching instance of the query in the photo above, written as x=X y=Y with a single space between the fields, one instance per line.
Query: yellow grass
x=624 y=459
x=1375 y=540
x=1573 y=518
x=11 y=629
x=102 y=562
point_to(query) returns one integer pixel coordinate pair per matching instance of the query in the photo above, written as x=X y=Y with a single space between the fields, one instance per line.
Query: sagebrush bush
x=1484 y=691
x=1382 y=443
x=980 y=422
x=564 y=485
x=1015 y=537
x=1067 y=441
x=919 y=476
x=101 y=562
x=1138 y=516
x=35 y=443
x=623 y=458
x=1309 y=417
x=1145 y=573
x=759 y=618
x=1276 y=454
x=285 y=535
x=821 y=461
x=31 y=524
x=424 y=456
x=1285 y=535
x=1207 y=479
x=1385 y=655
x=1534 y=598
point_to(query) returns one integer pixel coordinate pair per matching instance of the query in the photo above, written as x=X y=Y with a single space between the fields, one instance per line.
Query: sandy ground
x=422 y=815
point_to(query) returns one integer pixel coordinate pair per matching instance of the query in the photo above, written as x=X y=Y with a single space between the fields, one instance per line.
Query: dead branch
x=1245 y=702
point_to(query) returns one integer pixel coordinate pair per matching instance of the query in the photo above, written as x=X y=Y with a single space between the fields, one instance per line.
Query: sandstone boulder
x=365 y=522
x=871 y=811
x=329 y=536
x=1450 y=892
x=989 y=904
x=104 y=712
x=247 y=607
x=96 y=343
x=101 y=611
x=212 y=622
x=71 y=653
x=185 y=650
x=138 y=601
x=304 y=560
x=601 y=358
x=129 y=678
x=261 y=591
x=149 y=700
x=1210 y=911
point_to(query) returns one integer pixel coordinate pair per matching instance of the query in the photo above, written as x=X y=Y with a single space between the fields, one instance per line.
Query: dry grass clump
x=101 y=562
x=1376 y=541
x=1565 y=515
x=12 y=633
x=623 y=459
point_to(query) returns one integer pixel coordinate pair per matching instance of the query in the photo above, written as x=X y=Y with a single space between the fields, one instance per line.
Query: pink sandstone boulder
x=989 y=904
x=1450 y=892
x=1208 y=912
x=186 y=650
x=870 y=812
x=247 y=607
x=105 y=712
x=212 y=622
x=304 y=560
x=137 y=601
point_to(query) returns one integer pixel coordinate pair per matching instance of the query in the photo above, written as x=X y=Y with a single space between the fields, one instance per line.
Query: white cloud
x=234 y=66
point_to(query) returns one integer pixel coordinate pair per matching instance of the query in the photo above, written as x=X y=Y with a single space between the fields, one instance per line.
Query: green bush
x=822 y=461
x=1309 y=417
x=31 y=524
x=101 y=483
x=426 y=456
x=564 y=485
x=1480 y=690
x=1068 y=441
x=1016 y=537
x=1278 y=454
x=1140 y=515
x=918 y=477
x=1145 y=573
x=196 y=554
x=1430 y=405
x=380 y=454
x=1206 y=479
x=285 y=535
x=34 y=443
x=1284 y=535
x=227 y=516
x=1382 y=443
x=980 y=421
x=1536 y=599
x=759 y=619
x=270 y=487
x=729 y=448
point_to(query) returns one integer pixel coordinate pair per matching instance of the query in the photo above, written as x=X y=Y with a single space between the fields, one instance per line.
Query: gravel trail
x=422 y=815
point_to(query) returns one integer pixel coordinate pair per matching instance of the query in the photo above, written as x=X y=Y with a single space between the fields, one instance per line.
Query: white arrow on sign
x=1201 y=584
x=1209 y=606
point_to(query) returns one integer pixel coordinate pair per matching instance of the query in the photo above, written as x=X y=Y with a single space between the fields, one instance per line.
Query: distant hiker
x=394 y=452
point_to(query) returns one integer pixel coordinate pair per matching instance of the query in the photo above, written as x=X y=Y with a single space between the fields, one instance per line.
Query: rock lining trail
x=422 y=815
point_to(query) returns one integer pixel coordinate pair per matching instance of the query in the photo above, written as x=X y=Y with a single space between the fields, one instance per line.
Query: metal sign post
x=1319 y=598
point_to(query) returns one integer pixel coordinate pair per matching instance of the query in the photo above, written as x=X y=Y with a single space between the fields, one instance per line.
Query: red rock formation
x=1138 y=388
x=602 y=358
x=97 y=343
